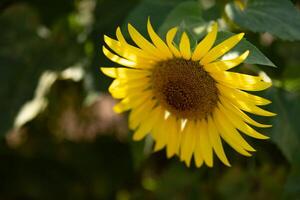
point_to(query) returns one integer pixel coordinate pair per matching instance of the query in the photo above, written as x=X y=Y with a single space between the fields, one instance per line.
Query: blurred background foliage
x=60 y=138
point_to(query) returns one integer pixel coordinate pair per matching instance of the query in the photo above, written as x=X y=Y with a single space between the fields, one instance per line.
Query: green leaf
x=255 y=56
x=188 y=17
x=184 y=182
x=106 y=23
x=157 y=10
x=292 y=186
x=291 y=78
x=51 y=11
x=278 y=17
x=285 y=132
x=27 y=50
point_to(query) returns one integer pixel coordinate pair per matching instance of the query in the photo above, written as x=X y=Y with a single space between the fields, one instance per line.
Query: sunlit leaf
x=28 y=49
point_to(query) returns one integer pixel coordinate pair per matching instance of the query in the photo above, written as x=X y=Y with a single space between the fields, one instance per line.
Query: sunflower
x=187 y=100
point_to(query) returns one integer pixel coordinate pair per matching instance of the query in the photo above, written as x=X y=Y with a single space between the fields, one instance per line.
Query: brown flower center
x=184 y=88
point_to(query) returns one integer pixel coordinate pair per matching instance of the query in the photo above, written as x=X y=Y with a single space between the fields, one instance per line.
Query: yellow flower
x=186 y=100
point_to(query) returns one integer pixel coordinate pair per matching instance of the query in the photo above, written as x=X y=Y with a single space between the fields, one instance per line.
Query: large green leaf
x=286 y=134
x=28 y=49
x=255 y=56
x=188 y=17
x=278 y=17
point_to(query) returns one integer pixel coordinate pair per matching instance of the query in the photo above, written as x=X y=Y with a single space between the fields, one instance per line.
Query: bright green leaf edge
x=187 y=16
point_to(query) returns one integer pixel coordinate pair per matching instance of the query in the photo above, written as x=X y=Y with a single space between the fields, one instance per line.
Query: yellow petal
x=120 y=89
x=173 y=136
x=227 y=137
x=125 y=73
x=128 y=52
x=132 y=101
x=170 y=36
x=110 y=71
x=204 y=46
x=223 y=65
x=252 y=108
x=241 y=81
x=184 y=46
x=230 y=130
x=241 y=114
x=221 y=49
x=129 y=83
x=158 y=42
x=144 y=44
x=203 y=144
x=117 y=47
x=232 y=93
x=157 y=128
x=148 y=124
x=242 y=126
x=140 y=52
x=121 y=38
x=117 y=59
x=138 y=114
x=188 y=142
x=198 y=159
x=160 y=132
x=216 y=141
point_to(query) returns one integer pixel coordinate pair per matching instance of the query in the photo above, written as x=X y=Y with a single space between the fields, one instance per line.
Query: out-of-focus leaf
x=285 y=131
x=108 y=15
x=291 y=78
x=51 y=11
x=43 y=168
x=157 y=10
x=278 y=17
x=260 y=182
x=292 y=186
x=27 y=49
x=31 y=109
x=184 y=184
x=213 y=13
x=188 y=16
x=255 y=56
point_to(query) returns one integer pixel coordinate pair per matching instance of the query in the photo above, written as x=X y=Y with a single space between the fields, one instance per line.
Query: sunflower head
x=185 y=99
x=184 y=88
